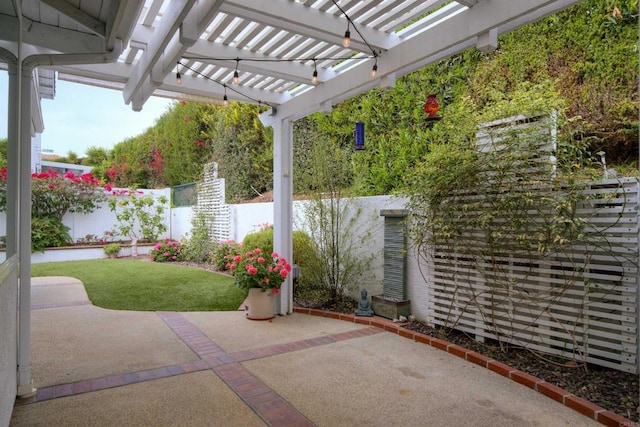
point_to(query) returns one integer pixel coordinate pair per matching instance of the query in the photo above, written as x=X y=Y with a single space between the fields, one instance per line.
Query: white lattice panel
x=581 y=303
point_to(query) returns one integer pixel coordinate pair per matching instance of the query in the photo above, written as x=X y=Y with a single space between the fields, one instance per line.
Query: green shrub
x=112 y=249
x=167 y=251
x=224 y=252
x=48 y=232
x=307 y=288
x=140 y=216
x=198 y=247
x=262 y=239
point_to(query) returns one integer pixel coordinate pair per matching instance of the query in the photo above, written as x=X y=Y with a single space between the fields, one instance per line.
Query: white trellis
x=581 y=302
x=211 y=201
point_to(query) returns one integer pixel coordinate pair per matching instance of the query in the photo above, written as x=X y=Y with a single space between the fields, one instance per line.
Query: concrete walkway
x=98 y=367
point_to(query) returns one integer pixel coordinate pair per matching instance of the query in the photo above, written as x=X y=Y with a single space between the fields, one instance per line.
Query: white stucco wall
x=100 y=220
x=248 y=217
x=180 y=222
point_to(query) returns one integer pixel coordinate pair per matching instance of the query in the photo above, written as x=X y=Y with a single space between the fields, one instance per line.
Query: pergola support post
x=25 y=382
x=283 y=201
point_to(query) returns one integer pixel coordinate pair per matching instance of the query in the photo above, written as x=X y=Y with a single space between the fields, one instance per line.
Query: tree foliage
x=587 y=55
x=139 y=216
x=3 y=152
x=243 y=149
x=54 y=194
x=333 y=224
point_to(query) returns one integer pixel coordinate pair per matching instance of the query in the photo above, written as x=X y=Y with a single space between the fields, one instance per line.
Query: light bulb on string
x=314 y=77
x=236 y=76
x=374 y=69
x=346 y=41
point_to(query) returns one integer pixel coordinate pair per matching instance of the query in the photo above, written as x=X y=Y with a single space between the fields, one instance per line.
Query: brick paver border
x=262 y=399
x=59 y=305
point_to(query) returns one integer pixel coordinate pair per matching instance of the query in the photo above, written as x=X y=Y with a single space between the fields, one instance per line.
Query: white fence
x=581 y=303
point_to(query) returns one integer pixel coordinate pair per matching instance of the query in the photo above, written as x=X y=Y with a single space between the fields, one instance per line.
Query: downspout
x=25 y=383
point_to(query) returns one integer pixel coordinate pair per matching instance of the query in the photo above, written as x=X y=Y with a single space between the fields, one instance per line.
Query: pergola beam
x=173 y=44
x=171 y=20
x=253 y=62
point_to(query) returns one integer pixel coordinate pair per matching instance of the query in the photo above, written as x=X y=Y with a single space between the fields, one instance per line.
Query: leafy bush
x=223 y=254
x=197 y=247
x=112 y=249
x=167 y=251
x=48 y=232
x=54 y=194
x=260 y=239
x=307 y=287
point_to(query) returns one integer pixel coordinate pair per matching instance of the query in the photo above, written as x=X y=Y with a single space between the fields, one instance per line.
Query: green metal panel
x=184 y=195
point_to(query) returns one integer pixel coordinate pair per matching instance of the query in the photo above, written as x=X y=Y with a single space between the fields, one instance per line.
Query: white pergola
x=275 y=46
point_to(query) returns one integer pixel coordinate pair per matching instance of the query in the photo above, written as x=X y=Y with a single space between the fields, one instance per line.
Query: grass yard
x=129 y=284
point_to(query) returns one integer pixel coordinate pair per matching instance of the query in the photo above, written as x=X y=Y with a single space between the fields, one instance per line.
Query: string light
x=346 y=42
x=314 y=78
x=236 y=76
x=225 y=86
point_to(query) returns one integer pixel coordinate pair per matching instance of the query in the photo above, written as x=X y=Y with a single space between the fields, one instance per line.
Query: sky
x=82 y=116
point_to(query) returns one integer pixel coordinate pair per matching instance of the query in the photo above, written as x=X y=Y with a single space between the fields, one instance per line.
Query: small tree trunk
x=134 y=248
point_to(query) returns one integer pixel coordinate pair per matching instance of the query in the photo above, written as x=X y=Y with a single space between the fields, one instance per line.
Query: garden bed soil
x=611 y=389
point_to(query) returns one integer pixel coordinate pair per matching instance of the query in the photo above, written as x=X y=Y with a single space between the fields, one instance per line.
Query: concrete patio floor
x=98 y=367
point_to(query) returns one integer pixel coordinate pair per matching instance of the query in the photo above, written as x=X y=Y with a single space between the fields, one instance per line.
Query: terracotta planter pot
x=261 y=304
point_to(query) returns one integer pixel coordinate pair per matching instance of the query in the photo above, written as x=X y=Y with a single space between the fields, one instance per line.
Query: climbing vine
x=503 y=218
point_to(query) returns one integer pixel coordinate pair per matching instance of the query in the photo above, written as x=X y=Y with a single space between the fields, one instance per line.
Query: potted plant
x=262 y=275
x=112 y=249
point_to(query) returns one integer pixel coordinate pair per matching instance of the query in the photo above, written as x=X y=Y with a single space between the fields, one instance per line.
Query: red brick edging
x=574 y=402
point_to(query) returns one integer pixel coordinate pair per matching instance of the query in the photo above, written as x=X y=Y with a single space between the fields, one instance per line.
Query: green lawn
x=126 y=284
